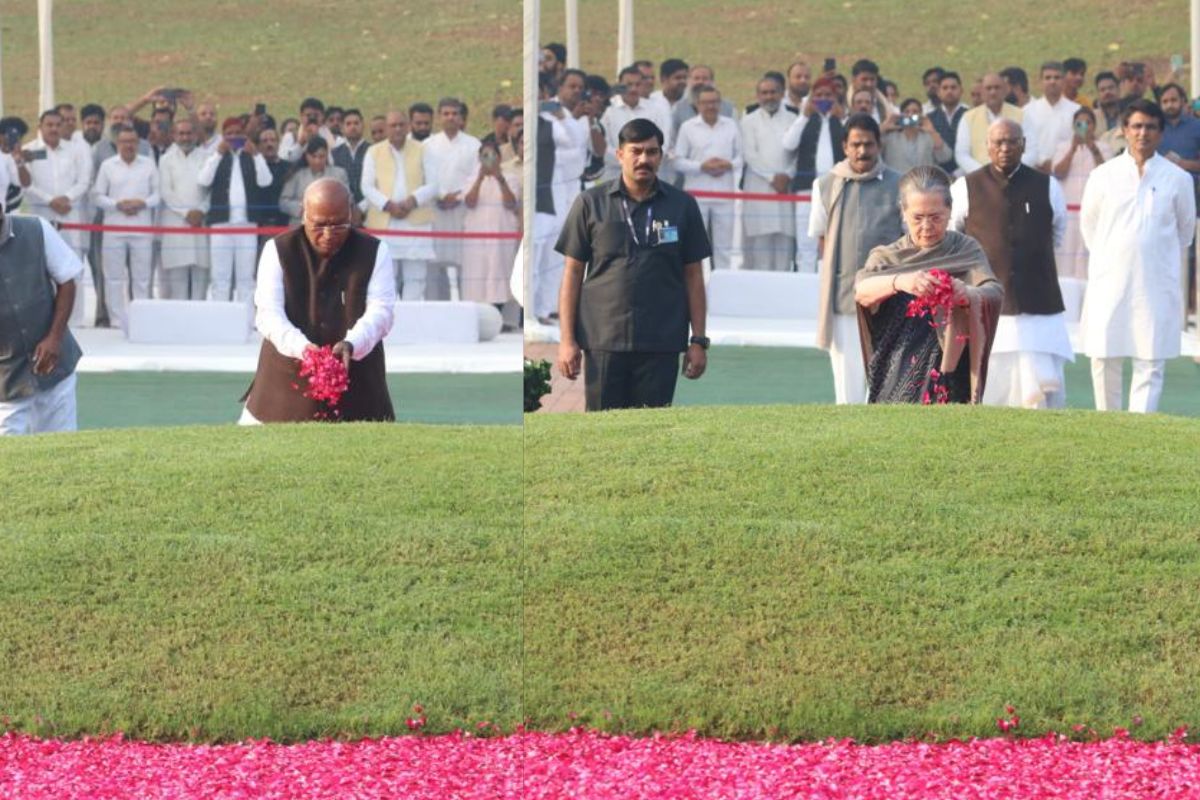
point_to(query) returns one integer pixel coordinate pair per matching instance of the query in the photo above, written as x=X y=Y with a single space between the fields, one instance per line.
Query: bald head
x=1005 y=127
x=327 y=205
x=327 y=194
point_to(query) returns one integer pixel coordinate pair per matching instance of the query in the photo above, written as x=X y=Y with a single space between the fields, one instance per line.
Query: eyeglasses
x=1000 y=144
x=340 y=227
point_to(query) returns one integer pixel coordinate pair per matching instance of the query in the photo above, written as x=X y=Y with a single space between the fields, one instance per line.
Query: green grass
x=804 y=572
x=373 y=54
x=142 y=399
x=741 y=39
x=291 y=582
x=765 y=375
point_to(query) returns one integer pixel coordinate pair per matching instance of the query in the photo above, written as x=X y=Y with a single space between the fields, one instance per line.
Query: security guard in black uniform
x=633 y=282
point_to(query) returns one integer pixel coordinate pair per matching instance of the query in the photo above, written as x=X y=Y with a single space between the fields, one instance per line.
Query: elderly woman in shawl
x=913 y=359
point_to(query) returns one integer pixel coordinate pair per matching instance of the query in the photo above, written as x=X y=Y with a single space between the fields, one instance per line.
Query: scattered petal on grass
x=597 y=766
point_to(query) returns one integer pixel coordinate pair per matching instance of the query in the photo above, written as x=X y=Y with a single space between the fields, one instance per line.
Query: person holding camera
x=911 y=140
x=232 y=171
x=493 y=204
x=1073 y=162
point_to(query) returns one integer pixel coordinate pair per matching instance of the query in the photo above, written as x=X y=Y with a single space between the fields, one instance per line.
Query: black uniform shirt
x=633 y=297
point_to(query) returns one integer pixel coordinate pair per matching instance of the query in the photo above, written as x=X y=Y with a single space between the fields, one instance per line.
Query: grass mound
x=290 y=582
x=880 y=573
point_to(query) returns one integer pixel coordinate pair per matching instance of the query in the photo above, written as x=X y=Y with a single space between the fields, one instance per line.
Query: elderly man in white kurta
x=59 y=180
x=184 y=272
x=127 y=192
x=1138 y=215
x=708 y=153
x=769 y=227
x=397 y=183
x=456 y=155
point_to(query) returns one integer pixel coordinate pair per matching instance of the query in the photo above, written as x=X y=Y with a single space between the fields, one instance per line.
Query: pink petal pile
x=327 y=377
x=587 y=764
x=940 y=299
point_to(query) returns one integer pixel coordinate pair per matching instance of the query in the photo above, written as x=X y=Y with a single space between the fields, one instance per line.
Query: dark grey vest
x=878 y=223
x=26 y=311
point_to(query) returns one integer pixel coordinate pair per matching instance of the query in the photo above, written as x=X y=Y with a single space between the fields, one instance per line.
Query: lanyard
x=632 y=229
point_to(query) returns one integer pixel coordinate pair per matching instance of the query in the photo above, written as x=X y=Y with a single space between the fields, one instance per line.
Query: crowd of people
x=753 y=172
x=119 y=182
x=1006 y=195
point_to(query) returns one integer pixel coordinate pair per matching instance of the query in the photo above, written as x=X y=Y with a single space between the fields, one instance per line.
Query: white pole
x=1195 y=87
x=46 y=55
x=624 y=34
x=573 y=34
x=1 y=76
x=529 y=193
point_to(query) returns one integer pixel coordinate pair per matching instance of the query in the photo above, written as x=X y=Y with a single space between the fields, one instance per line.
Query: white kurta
x=1052 y=124
x=1136 y=229
x=66 y=171
x=456 y=161
x=179 y=184
x=766 y=157
x=416 y=248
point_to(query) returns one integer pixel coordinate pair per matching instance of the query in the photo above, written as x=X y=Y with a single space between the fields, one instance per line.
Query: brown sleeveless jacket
x=323 y=299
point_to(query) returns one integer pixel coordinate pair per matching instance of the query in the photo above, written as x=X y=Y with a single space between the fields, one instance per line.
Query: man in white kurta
x=1031 y=346
x=769 y=227
x=708 y=153
x=1051 y=116
x=456 y=154
x=631 y=106
x=59 y=179
x=826 y=152
x=184 y=262
x=1138 y=215
x=394 y=199
x=127 y=192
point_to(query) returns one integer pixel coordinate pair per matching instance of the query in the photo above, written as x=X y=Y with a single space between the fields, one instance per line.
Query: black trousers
x=629 y=380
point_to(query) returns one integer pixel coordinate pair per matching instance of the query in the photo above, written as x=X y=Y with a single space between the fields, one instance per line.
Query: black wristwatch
x=703 y=341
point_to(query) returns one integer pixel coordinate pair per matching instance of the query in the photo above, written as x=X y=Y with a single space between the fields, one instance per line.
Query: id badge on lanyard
x=633 y=229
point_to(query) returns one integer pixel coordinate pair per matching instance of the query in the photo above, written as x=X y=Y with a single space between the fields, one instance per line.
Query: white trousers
x=182 y=283
x=771 y=251
x=547 y=265
x=846 y=358
x=1025 y=380
x=411 y=274
x=248 y=419
x=718 y=219
x=127 y=270
x=233 y=263
x=51 y=411
x=806 y=246
x=1145 y=388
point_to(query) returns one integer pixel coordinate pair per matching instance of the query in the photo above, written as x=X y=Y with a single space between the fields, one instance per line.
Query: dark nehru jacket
x=806 y=153
x=1013 y=220
x=323 y=299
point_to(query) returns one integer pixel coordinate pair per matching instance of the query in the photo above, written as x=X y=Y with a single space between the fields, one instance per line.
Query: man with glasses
x=1019 y=215
x=1138 y=214
x=322 y=284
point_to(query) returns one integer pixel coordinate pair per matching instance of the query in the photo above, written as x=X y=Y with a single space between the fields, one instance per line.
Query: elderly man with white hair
x=1019 y=214
x=322 y=284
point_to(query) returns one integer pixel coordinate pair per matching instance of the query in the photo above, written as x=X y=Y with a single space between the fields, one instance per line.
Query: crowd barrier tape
x=275 y=230
x=704 y=194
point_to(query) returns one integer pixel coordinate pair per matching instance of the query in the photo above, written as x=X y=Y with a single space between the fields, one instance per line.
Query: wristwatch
x=703 y=341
